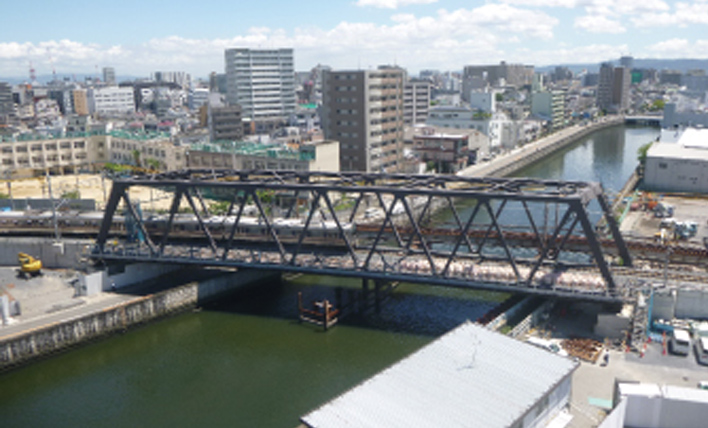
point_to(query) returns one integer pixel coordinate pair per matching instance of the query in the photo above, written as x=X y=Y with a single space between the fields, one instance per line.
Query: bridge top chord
x=441 y=184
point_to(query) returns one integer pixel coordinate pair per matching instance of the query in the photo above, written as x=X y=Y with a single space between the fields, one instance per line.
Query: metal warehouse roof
x=469 y=377
x=676 y=151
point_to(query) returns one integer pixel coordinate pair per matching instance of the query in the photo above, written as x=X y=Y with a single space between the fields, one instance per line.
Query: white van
x=680 y=342
x=701 y=349
x=548 y=345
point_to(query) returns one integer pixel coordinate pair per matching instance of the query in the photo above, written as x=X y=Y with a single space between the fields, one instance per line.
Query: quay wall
x=40 y=342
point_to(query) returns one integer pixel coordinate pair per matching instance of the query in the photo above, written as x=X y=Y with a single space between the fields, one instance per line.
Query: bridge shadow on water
x=410 y=308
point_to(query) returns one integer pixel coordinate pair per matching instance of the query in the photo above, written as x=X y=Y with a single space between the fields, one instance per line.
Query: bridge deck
x=581 y=284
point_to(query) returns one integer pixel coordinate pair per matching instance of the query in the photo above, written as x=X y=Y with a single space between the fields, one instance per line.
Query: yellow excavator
x=29 y=265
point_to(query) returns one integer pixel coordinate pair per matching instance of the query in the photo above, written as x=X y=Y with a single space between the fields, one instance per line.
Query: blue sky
x=139 y=37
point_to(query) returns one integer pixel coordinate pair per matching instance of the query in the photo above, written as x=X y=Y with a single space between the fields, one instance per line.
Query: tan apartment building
x=80 y=99
x=363 y=110
x=32 y=155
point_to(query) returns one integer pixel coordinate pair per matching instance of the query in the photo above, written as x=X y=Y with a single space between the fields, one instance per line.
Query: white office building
x=111 y=100
x=262 y=82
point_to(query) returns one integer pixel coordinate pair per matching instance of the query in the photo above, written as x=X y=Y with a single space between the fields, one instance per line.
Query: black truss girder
x=412 y=238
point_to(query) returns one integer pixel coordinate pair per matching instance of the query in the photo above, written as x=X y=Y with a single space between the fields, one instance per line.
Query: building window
x=663 y=165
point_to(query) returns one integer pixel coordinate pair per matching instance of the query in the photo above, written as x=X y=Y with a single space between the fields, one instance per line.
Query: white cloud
x=391 y=4
x=543 y=3
x=599 y=24
x=678 y=48
x=684 y=15
x=588 y=54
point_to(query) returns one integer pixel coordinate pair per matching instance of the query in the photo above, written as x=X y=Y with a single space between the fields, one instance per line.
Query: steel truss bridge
x=505 y=234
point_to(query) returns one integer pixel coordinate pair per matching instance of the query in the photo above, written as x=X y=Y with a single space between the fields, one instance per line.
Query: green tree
x=153 y=164
x=73 y=194
x=499 y=97
x=657 y=105
x=4 y=196
x=642 y=153
x=219 y=208
x=136 y=157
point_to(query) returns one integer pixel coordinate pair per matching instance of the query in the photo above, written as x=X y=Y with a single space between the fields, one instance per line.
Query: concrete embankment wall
x=64 y=255
x=30 y=345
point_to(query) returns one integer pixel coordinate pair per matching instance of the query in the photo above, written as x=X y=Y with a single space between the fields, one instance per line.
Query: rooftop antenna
x=32 y=74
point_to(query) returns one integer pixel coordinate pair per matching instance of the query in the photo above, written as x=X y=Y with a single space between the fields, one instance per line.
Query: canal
x=246 y=361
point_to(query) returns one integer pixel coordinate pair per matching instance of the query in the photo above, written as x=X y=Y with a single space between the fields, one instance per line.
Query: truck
x=680 y=343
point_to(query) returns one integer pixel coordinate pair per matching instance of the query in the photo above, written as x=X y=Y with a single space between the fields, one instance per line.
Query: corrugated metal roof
x=469 y=377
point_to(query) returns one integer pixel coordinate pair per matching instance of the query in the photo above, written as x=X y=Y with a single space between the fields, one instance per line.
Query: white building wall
x=679 y=175
x=548 y=407
x=111 y=100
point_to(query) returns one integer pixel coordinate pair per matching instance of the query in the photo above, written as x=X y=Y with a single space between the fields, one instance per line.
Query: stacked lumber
x=585 y=349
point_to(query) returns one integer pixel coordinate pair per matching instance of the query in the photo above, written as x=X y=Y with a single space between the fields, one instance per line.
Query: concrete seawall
x=520 y=158
x=39 y=342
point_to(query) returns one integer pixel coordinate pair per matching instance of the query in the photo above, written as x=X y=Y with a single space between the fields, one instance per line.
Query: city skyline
x=138 y=38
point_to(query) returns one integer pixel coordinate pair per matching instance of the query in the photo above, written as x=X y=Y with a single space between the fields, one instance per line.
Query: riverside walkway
x=518 y=158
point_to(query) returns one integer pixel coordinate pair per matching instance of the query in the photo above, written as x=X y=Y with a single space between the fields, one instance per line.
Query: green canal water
x=246 y=362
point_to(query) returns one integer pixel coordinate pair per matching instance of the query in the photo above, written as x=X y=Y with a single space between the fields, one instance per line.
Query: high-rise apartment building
x=604 y=86
x=363 y=110
x=109 y=75
x=416 y=100
x=7 y=107
x=613 y=88
x=262 y=82
x=620 y=88
x=181 y=78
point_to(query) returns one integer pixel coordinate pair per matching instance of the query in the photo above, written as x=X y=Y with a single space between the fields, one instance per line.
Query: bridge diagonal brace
x=594 y=246
x=491 y=226
x=237 y=220
x=388 y=218
x=117 y=192
x=459 y=223
x=269 y=227
x=463 y=235
x=139 y=222
x=544 y=251
x=420 y=220
x=381 y=230
x=423 y=242
x=305 y=228
x=293 y=206
x=501 y=238
x=537 y=235
x=560 y=247
x=205 y=209
x=344 y=236
x=174 y=207
x=202 y=225
x=359 y=198
x=614 y=230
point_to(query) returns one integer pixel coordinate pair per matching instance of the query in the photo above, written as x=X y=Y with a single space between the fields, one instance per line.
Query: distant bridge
x=433 y=229
x=644 y=120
